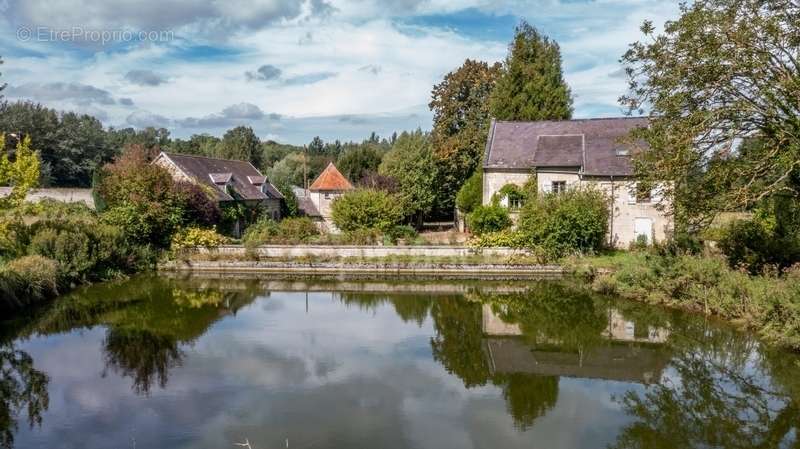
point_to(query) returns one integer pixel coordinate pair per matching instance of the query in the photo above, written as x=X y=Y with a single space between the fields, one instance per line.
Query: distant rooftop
x=331 y=179
x=591 y=145
x=241 y=176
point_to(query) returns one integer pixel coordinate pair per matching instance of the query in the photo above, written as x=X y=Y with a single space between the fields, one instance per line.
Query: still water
x=199 y=362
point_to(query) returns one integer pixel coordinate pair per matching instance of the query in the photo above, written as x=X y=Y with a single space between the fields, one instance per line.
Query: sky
x=292 y=70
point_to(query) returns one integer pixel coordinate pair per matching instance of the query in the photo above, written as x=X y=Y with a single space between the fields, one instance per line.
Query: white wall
x=625 y=209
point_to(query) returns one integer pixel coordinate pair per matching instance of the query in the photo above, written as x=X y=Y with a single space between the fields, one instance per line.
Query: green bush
x=575 y=221
x=366 y=209
x=471 y=193
x=298 y=229
x=27 y=280
x=752 y=245
x=87 y=250
x=485 y=219
x=261 y=232
x=289 y=231
x=506 y=238
x=404 y=232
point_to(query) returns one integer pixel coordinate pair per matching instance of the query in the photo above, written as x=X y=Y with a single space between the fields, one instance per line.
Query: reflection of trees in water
x=458 y=346
x=410 y=308
x=22 y=389
x=144 y=356
x=528 y=396
x=727 y=391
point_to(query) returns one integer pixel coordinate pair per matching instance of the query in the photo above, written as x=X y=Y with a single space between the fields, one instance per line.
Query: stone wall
x=344 y=251
x=626 y=209
x=67 y=195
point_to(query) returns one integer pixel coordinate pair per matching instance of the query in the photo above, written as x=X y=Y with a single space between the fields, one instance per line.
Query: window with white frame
x=558 y=186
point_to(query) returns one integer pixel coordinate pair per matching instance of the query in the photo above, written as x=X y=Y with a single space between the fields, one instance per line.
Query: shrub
x=199 y=205
x=484 y=219
x=27 y=280
x=567 y=222
x=505 y=238
x=398 y=232
x=263 y=231
x=471 y=193
x=750 y=244
x=366 y=209
x=197 y=237
x=299 y=229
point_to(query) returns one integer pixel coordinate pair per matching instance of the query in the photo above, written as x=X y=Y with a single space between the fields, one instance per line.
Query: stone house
x=316 y=201
x=574 y=153
x=229 y=180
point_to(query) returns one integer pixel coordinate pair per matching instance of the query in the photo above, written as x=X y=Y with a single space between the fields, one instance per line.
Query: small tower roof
x=331 y=179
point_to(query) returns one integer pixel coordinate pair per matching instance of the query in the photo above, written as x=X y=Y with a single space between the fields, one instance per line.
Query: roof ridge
x=591 y=119
x=197 y=156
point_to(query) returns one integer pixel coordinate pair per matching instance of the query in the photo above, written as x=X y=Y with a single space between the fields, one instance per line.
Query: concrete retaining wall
x=343 y=251
x=361 y=270
x=67 y=195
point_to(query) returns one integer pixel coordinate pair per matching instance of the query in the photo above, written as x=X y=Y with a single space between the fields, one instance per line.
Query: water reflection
x=23 y=391
x=205 y=362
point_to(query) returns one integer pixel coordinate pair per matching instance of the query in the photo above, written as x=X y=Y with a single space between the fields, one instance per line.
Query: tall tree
x=411 y=162
x=21 y=173
x=357 y=162
x=460 y=105
x=241 y=143
x=532 y=86
x=724 y=72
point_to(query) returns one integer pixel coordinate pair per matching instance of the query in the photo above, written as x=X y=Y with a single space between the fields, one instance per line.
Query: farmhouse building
x=577 y=153
x=316 y=201
x=229 y=180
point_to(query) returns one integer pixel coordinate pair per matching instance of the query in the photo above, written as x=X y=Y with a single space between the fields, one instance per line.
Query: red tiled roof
x=331 y=179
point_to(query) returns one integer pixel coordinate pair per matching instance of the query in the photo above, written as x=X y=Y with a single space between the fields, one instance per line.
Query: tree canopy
x=722 y=84
x=460 y=105
x=241 y=143
x=532 y=85
x=411 y=163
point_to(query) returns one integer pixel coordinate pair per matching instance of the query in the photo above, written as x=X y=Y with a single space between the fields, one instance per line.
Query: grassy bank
x=767 y=304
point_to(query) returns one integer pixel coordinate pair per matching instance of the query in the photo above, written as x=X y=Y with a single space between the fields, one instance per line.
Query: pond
x=205 y=362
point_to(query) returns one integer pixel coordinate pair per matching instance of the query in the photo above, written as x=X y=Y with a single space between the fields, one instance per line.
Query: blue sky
x=294 y=69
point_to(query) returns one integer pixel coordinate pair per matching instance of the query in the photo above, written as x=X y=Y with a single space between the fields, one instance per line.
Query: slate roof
x=331 y=179
x=304 y=203
x=587 y=145
x=242 y=177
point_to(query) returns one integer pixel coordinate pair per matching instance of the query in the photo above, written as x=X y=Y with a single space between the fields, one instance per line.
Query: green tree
x=726 y=70
x=412 y=164
x=242 y=144
x=532 y=85
x=357 y=162
x=366 y=209
x=22 y=174
x=471 y=194
x=288 y=171
x=461 y=116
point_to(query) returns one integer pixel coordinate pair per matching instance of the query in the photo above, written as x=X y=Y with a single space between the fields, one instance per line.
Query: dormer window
x=221 y=180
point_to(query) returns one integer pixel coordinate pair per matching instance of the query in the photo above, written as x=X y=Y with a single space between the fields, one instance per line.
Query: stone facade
x=627 y=212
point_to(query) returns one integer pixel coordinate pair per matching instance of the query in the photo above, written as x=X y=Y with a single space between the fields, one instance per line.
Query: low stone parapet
x=346 y=251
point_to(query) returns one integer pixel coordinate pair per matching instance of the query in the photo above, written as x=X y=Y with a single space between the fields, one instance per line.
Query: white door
x=643 y=226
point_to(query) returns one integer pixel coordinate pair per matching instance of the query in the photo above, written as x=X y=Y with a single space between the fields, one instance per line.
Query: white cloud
x=347 y=67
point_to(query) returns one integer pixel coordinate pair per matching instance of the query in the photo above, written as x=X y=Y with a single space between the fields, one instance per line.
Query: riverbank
x=767 y=304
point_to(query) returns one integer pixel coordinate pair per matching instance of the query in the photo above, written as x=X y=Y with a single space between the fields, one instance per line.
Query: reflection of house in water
x=630 y=355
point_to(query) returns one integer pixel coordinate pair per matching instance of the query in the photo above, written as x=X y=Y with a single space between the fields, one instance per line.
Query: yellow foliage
x=197 y=237
x=22 y=174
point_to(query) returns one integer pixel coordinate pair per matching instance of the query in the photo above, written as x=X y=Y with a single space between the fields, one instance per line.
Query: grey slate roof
x=241 y=173
x=589 y=145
